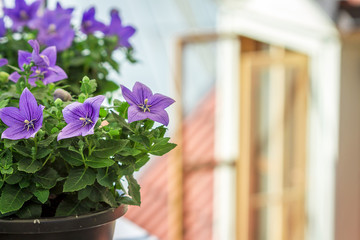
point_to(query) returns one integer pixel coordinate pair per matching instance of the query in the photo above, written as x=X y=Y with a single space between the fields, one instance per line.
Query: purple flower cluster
x=44 y=68
x=26 y=121
x=54 y=26
x=22 y=14
x=89 y=25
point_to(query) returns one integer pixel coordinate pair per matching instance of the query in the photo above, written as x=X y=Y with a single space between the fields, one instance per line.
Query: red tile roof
x=198 y=187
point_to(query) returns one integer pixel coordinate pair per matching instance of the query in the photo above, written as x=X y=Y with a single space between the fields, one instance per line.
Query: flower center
x=23 y=15
x=86 y=121
x=52 y=28
x=38 y=72
x=29 y=124
x=145 y=107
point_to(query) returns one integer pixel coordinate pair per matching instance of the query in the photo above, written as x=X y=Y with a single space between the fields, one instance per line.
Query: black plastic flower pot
x=95 y=226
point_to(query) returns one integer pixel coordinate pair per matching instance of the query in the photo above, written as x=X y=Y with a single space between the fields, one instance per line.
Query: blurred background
x=267 y=118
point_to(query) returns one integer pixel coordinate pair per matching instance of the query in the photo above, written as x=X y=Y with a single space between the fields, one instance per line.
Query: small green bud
x=61 y=125
x=4 y=77
x=114 y=132
x=82 y=98
x=54 y=130
x=58 y=102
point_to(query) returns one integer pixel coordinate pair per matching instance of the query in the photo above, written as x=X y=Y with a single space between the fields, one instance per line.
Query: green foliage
x=76 y=175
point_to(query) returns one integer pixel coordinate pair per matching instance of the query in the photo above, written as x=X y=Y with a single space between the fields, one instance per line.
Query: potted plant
x=66 y=159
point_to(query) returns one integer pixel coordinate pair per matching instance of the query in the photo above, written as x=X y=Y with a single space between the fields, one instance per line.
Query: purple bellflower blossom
x=2 y=27
x=122 y=32
x=143 y=104
x=44 y=69
x=22 y=14
x=3 y=62
x=89 y=25
x=55 y=28
x=81 y=117
x=25 y=121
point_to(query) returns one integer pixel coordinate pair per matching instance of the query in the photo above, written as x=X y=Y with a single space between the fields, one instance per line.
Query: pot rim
x=61 y=224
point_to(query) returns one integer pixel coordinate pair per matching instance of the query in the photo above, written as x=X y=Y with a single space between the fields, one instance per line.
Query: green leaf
x=14 y=178
x=70 y=208
x=134 y=190
x=4 y=103
x=46 y=178
x=22 y=150
x=84 y=193
x=121 y=121
x=24 y=183
x=6 y=162
x=29 y=166
x=9 y=143
x=12 y=198
x=30 y=210
x=160 y=150
x=78 y=179
x=42 y=195
x=95 y=162
x=105 y=177
x=127 y=151
x=104 y=195
x=46 y=142
x=141 y=162
x=73 y=158
x=43 y=152
x=109 y=148
x=141 y=139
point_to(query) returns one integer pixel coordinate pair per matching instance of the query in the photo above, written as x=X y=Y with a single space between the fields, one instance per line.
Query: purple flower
x=81 y=117
x=88 y=24
x=44 y=69
x=22 y=14
x=122 y=32
x=3 y=62
x=25 y=121
x=143 y=104
x=55 y=28
x=2 y=27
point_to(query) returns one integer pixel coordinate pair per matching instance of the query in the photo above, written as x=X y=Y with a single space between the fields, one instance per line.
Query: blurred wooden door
x=272 y=165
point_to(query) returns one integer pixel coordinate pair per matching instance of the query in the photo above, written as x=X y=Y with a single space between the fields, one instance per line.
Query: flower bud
x=62 y=94
x=58 y=102
x=82 y=98
x=4 y=77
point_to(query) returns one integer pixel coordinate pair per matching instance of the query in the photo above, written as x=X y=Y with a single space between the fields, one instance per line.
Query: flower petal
x=23 y=58
x=54 y=74
x=11 y=116
x=142 y=92
x=73 y=129
x=73 y=112
x=129 y=96
x=92 y=106
x=159 y=115
x=16 y=133
x=3 y=61
x=160 y=101
x=136 y=114
x=14 y=76
x=50 y=52
x=28 y=105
